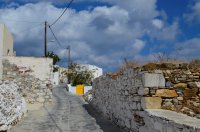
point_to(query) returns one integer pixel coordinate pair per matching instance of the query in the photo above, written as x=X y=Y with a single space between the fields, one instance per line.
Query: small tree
x=77 y=76
x=55 y=58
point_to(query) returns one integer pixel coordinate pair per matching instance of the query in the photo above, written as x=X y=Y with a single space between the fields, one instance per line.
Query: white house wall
x=56 y=78
x=6 y=44
x=42 y=68
x=1 y=39
x=96 y=70
x=6 y=41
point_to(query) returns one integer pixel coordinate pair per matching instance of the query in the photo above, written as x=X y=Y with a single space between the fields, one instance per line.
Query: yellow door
x=80 y=89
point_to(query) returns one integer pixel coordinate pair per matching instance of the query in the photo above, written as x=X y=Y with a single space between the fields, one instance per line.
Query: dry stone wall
x=122 y=98
x=32 y=89
x=12 y=105
x=18 y=89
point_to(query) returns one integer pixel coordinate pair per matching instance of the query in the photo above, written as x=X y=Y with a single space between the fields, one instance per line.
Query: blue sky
x=105 y=32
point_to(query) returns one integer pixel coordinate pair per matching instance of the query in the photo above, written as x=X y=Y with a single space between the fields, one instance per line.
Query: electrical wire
x=55 y=37
x=62 y=13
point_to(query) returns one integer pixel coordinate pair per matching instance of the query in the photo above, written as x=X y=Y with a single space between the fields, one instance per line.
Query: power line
x=55 y=37
x=62 y=13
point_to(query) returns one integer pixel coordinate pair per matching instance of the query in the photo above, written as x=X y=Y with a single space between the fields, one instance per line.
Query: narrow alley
x=67 y=114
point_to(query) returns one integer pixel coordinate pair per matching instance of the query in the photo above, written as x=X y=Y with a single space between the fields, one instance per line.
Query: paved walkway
x=67 y=114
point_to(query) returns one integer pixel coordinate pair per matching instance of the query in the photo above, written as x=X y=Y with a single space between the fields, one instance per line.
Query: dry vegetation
x=162 y=63
x=125 y=65
x=194 y=64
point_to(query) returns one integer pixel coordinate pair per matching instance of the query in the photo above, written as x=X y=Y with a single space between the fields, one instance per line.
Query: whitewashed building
x=42 y=68
x=6 y=41
x=97 y=72
x=56 y=78
x=6 y=45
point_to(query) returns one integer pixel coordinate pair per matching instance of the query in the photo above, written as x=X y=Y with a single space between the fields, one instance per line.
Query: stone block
x=167 y=105
x=190 y=92
x=152 y=91
x=166 y=93
x=146 y=129
x=133 y=105
x=168 y=84
x=151 y=102
x=138 y=106
x=143 y=91
x=192 y=85
x=180 y=86
x=153 y=80
x=197 y=84
x=158 y=126
x=127 y=123
x=137 y=98
x=180 y=98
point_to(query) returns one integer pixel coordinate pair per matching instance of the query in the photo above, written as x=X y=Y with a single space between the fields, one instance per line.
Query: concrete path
x=68 y=113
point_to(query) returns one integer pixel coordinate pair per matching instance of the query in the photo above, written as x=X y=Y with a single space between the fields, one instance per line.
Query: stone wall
x=31 y=88
x=123 y=97
x=20 y=90
x=1 y=68
x=156 y=120
x=12 y=105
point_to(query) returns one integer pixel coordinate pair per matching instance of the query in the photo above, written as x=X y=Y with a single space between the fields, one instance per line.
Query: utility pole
x=45 y=39
x=69 y=59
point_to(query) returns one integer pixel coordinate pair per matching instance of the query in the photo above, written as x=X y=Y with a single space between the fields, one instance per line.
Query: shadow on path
x=105 y=124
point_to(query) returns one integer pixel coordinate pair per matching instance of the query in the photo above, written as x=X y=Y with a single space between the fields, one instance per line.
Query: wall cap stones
x=178 y=118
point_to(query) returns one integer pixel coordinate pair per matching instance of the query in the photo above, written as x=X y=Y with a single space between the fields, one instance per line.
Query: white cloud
x=167 y=32
x=140 y=9
x=188 y=49
x=101 y=36
x=194 y=15
x=157 y=23
x=138 y=45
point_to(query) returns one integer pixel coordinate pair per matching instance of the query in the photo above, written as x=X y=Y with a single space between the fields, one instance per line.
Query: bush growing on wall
x=55 y=58
x=77 y=76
